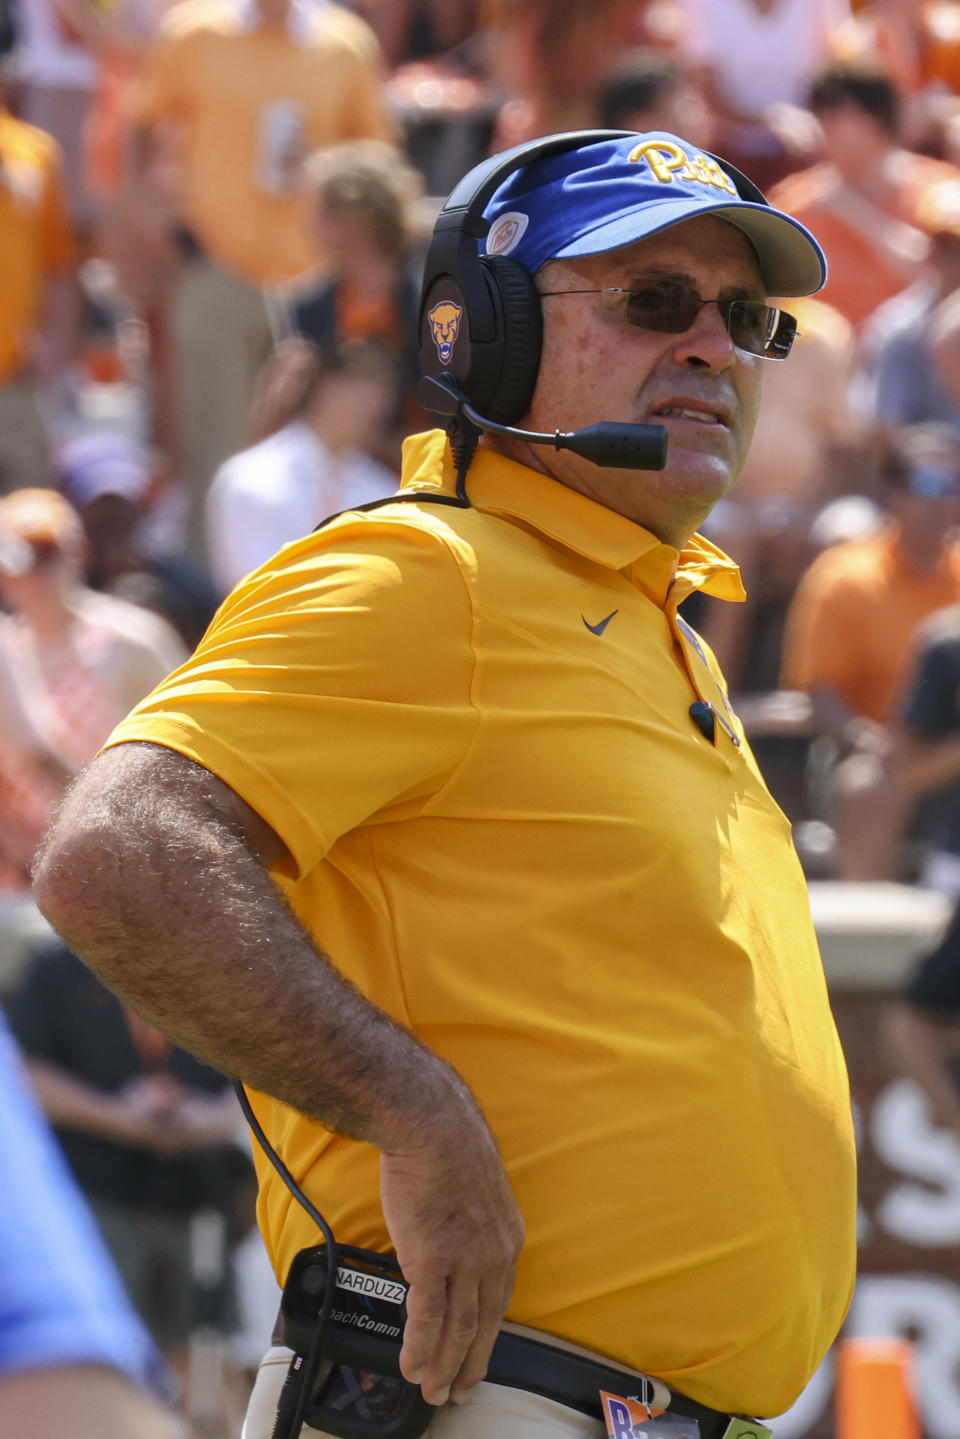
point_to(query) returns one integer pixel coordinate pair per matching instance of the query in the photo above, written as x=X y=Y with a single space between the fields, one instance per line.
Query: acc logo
x=445 y=327
x=506 y=232
x=667 y=160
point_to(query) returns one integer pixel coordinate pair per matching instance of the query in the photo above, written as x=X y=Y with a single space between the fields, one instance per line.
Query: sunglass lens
x=749 y=324
x=669 y=309
x=761 y=329
x=783 y=336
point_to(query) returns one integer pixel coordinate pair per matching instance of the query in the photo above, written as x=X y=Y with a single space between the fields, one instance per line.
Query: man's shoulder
x=396 y=558
x=401 y=526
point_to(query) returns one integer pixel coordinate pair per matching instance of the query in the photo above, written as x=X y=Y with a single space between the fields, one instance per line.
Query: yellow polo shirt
x=472 y=729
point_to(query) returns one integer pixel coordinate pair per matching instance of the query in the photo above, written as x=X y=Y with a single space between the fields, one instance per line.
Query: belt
x=518 y=1362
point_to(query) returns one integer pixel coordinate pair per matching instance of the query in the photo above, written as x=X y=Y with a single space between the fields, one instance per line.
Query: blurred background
x=213 y=215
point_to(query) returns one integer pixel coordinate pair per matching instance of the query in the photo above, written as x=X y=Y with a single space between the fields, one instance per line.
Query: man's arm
x=155 y=872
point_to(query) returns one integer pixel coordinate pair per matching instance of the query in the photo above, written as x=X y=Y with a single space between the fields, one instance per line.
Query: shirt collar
x=501 y=486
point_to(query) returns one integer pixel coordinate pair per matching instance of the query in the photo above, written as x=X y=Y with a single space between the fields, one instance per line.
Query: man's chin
x=697 y=478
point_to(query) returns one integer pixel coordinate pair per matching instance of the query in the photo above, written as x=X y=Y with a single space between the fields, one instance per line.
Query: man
x=248 y=92
x=864 y=197
x=573 y=981
x=70 y=1343
x=850 y=628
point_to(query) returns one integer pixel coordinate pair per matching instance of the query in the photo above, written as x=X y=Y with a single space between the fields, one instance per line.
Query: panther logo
x=445 y=327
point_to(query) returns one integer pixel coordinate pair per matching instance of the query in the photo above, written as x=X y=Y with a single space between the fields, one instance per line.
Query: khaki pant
x=491 y=1412
x=220 y=337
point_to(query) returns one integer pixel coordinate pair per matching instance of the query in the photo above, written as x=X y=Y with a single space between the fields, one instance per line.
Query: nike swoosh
x=599 y=628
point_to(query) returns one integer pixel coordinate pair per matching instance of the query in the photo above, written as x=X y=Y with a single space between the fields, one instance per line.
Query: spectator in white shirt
x=315 y=415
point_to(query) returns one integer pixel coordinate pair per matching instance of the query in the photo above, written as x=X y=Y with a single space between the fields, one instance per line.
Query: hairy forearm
x=151 y=876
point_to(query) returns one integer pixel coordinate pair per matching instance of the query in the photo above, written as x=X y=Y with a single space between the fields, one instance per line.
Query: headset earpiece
x=522 y=330
x=480 y=318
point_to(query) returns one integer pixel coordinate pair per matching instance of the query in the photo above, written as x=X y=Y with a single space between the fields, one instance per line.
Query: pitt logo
x=667 y=160
x=445 y=327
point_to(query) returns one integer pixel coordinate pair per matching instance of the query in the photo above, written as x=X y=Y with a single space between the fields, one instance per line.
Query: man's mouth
x=683 y=413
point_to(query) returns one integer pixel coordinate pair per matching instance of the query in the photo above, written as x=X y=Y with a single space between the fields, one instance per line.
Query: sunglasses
x=671 y=309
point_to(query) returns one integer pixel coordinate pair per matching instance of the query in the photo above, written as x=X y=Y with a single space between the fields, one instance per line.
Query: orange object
x=875 y=1398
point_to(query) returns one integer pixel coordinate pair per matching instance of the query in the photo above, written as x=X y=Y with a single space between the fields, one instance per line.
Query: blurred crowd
x=213 y=215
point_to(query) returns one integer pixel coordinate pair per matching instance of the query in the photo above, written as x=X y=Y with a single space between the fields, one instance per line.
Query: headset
x=483 y=374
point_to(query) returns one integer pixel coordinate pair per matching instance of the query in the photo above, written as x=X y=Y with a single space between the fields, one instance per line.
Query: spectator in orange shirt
x=862 y=199
x=251 y=89
x=39 y=305
x=849 y=633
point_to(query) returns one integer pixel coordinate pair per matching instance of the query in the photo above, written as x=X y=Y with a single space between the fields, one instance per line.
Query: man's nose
x=707 y=343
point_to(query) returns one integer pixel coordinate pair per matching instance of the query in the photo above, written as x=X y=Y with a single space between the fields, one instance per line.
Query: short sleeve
x=334 y=685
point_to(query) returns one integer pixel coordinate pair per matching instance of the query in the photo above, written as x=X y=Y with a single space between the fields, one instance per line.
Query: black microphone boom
x=619 y=447
x=612 y=446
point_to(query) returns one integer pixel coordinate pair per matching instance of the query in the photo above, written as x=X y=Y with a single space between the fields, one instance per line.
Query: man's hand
x=457 y=1233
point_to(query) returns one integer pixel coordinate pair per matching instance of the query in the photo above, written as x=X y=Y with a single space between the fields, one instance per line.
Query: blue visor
x=609 y=194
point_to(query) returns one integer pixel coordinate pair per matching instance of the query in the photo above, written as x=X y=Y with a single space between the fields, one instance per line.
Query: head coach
x=447 y=842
